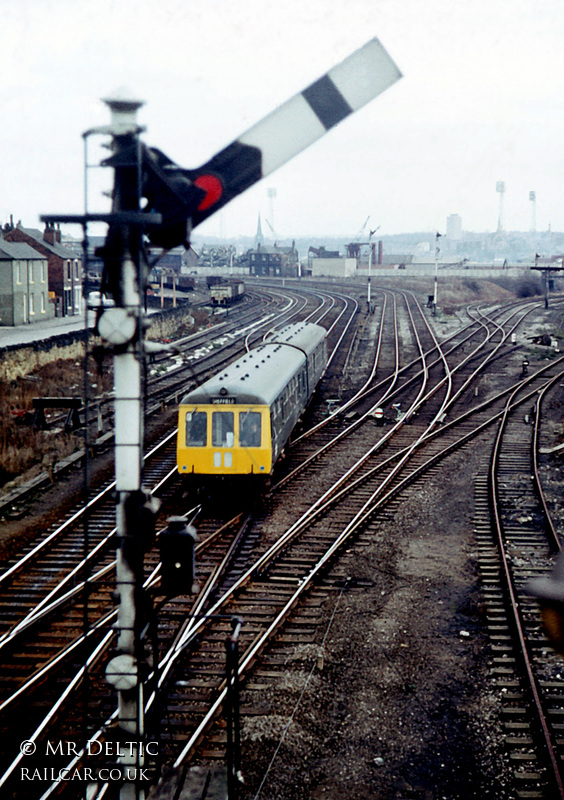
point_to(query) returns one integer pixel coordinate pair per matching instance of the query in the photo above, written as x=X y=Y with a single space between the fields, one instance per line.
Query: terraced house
x=65 y=265
x=24 y=287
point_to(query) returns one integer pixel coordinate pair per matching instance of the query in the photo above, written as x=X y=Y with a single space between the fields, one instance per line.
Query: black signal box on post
x=178 y=562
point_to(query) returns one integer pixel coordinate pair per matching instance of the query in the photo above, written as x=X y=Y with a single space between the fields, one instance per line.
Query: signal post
x=121 y=328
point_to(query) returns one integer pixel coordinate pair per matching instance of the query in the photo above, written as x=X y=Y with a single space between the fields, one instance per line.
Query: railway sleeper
x=528 y=776
x=295 y=638
x=512 y=725
x=517 y=711
x=519 y=741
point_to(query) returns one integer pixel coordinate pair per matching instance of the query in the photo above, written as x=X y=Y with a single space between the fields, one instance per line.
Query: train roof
x=259 y=376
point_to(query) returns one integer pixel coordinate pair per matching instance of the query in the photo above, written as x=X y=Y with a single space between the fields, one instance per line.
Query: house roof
x=273 y=250
x=58 y=249
x=18 y=250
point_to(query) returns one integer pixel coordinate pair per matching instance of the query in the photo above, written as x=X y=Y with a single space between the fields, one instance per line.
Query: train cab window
x=249 y=429
x=196 y=429
x=223 y=429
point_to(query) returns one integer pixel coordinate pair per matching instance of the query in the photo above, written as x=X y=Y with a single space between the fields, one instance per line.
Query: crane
x=359 y=235
x=272 y=230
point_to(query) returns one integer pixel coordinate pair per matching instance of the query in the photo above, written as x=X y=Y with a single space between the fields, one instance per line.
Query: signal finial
x=123 y=106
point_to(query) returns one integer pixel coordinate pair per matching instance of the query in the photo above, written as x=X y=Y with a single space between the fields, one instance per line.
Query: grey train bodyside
x=303 y=375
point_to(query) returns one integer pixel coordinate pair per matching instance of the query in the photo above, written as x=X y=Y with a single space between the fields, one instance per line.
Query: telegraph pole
x=369 y=271
x=369 y=300
x=436 y=286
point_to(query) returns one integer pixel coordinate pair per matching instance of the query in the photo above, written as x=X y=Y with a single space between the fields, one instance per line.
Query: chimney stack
x=52 y=234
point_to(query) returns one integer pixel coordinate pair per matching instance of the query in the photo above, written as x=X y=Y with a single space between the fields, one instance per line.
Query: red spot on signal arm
x=213 y=188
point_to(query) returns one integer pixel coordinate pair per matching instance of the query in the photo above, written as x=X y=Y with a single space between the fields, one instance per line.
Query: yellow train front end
x=233 y=426
x=223 y=440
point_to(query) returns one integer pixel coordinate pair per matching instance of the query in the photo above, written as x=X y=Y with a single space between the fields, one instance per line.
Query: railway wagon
x=238 y=422
x=222 y=294
x=184 y=282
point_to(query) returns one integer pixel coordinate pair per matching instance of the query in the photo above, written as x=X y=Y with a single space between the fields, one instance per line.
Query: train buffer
x=73 y=404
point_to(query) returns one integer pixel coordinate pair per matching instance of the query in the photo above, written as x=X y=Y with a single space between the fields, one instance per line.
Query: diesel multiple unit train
x=238 y=422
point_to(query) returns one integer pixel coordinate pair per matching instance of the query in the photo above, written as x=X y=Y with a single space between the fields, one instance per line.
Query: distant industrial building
x=178 y=259
x=333 y=267
x=398 y=260
x=329 y=263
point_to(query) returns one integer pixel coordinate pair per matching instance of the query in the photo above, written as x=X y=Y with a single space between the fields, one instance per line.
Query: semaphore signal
x=175 y=200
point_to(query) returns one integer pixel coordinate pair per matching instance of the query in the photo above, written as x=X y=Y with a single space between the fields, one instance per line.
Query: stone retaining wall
x=18 y=360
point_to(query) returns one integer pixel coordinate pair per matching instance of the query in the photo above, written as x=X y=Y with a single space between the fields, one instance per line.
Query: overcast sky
x=481 y=101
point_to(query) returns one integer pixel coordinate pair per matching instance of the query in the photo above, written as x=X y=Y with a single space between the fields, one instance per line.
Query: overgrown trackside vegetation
x=23 y=447
x=57 y=370
x=528 y=286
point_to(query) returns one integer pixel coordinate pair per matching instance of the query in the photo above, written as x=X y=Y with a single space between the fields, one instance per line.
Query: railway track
x=339 y=523
x=290 y=562
x=517 y=541
x=197 y=356
x=270 y=575
x=58 y=555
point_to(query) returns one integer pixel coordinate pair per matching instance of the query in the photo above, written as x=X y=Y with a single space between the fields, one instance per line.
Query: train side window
x=196 y=429
x=223 y=429
x=249 y=429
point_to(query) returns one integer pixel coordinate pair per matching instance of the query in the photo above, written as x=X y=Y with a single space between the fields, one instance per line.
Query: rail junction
x=280 y=566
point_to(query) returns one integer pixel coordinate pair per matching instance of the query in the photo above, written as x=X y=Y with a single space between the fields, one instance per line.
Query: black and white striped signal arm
x=269 y=144
x=295 y=125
